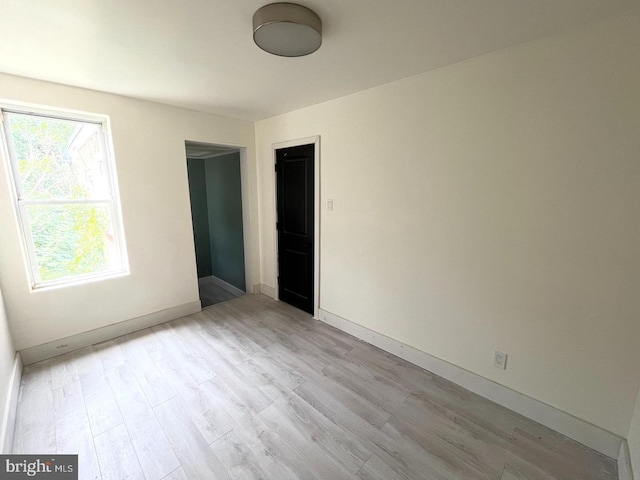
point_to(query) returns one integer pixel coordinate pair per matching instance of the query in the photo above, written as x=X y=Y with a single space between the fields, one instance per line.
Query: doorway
x=216 y=211
x=296 y=225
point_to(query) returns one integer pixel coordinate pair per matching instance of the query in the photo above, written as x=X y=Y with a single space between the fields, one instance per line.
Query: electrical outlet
x=500 y=360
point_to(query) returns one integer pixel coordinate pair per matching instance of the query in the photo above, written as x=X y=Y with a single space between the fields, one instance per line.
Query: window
x=65 y=193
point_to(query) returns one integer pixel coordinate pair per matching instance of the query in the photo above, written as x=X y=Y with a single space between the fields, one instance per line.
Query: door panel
x=295 y=224
x=294 y=275
x=294 y=172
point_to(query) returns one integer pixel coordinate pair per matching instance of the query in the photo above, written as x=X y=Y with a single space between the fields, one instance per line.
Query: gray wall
x=224 y=201
x=200 y=215
x=216 y=210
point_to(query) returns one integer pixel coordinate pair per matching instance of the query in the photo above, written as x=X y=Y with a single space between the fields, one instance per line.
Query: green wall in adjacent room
x=200 y=216
x=224 y=200
x=216 y=209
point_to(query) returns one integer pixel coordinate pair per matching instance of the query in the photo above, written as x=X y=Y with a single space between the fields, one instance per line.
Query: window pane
x=58 y=159
x=74 y=239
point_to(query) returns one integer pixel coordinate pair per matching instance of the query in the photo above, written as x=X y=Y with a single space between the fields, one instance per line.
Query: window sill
x=77 y=281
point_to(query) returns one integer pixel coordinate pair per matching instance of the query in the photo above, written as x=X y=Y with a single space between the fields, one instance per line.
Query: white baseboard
x=11 y=406
x=74 y=342
x=222 y=284
x=579 y=430
x=265 y=290
x=625 y=471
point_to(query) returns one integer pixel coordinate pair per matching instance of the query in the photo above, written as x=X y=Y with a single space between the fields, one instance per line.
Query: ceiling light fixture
x=287 y=29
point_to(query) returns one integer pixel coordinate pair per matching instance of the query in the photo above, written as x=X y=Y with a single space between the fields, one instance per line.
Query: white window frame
x=20 y=203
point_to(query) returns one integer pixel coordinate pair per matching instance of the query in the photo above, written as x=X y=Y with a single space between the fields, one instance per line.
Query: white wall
x=7 y=355
x=492 y=204
x=634 y=439
x=150 y=158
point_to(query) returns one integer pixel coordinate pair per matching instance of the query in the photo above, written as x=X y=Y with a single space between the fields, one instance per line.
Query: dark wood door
x=295 y=225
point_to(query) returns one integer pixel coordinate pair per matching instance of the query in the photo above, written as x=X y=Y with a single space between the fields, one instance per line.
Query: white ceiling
x=200 y=54
x=203 y=151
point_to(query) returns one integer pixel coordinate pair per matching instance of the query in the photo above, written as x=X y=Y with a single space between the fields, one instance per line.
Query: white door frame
x=250 y=277
x=315 y=140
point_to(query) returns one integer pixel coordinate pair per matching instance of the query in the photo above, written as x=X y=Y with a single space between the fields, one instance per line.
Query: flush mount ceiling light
x=287 y=29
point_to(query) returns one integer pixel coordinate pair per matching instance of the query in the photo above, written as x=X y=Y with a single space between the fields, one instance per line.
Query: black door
x=295 y=193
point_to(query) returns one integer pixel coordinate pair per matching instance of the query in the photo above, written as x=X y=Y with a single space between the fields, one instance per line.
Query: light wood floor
x=211 y=294
x=255 y=389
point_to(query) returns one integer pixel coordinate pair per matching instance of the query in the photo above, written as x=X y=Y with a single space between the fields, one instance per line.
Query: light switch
x=330 y=204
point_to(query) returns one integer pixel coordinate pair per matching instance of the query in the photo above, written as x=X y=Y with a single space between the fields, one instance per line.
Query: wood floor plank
x=386 y=448
x=153 y=385
x=101 y=404
x=562 y=445
x=233 y=333
x=267 y=365
x=455 y=455
x=249 y=393
x=238 y=458
x=197 y=459
x=256 y=389
x=324 y=345
x=455 y=400
x=351 y=400
x=524 y=471
x=102 y=408
x=446 y=435
x=63 y=370
x=193 y=350
x=201 y=401
x=376 y=469
x=310 y=427
x=172 y=356
x=393 y=369
x=221 y=353
x=268 y=384
x=364 y=385
x=303 y=348
x=373 y=439
x=235 y=380
x=388 y=385
x=110 y=354
x=304 y=460
x=248 y=330
x=149 y=441
x=116 y=455
x=211 y=294
x=408 y=458
x=177 y=474
x=35 y=431
x=170 y=336
x=248 y=431
x=73 y=432
x=556 y=462
x=494 y=442
x=233 y=405
x=510 y=473
x=87 y=361
x=339 y=412
x=331 y=334
x=276 y=325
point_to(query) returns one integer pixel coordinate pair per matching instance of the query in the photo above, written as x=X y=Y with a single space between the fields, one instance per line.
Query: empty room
x=339 y=239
